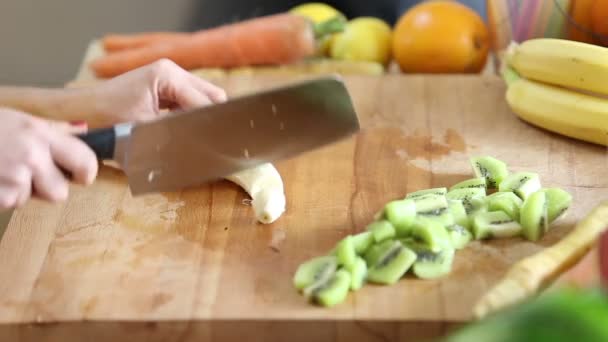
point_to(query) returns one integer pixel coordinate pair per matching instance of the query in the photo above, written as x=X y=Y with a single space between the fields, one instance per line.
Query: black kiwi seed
x=392 y=254
x=428 y=256
x=322 y=286
x=435 y=212
x=485 y=173
x=501 y=221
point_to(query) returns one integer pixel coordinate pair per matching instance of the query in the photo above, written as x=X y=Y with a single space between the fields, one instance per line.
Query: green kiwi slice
x=479 y=183
x=458 y=213
x=533 y=216
x=495 y=224
x=433 y=191
x=375 y=251
x=492 y=169
x=414 y=244
x=459 y=235
x=362 y=241
x=505 y=201
x=523 y=184
x=331 y=290
x=345 y=252
x=358 y=273
x=315 y=270
x=432 y=233
x=394 y=262
x=430 y=202
x=381 y=230
x=558 y=202
x=400 y=214
x=432 y=265
x=471 y=198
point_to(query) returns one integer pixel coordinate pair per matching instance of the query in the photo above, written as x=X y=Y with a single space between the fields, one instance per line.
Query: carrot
x=120 y=42
x=275 y=39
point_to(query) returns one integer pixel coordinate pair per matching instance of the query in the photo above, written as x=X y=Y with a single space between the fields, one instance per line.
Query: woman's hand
x=141 y=94
x=31 y=149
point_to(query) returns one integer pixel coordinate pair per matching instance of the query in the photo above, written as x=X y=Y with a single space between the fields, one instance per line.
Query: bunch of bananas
x=560 y=85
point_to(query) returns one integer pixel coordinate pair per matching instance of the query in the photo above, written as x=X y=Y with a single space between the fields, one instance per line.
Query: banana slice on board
x=263 y=184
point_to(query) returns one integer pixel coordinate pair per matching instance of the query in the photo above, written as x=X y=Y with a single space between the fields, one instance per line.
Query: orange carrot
x=120 y=42
x=275 y=39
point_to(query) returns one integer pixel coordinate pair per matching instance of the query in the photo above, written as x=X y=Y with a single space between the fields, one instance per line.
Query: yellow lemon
x=364 y=39
x=317 y=12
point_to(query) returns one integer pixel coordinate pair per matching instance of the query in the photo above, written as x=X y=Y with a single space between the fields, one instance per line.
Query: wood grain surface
x=197 y=258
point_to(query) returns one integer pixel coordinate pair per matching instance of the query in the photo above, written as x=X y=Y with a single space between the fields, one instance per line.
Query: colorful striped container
x=518 y=20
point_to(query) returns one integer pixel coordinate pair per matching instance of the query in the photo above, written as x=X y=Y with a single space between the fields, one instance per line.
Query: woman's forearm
x=56 y=104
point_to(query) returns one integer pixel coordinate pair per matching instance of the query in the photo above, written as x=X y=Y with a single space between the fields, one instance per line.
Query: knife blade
x=205 y=144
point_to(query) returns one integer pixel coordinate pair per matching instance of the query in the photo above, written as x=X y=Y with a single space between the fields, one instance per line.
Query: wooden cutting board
x=197 y=264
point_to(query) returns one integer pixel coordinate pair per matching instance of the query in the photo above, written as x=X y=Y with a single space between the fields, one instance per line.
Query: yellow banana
x=566 y=112
x=561 y=62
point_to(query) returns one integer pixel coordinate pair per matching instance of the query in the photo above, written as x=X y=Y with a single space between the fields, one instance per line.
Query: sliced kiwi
x=362 y=241
x=345 y=252
x=533 y=216
x=459 y=235
x=523 y=184
x=433 y=191
x=432 y=233
x=358 y=273
x=458 y=213
x=471 y=198
x=558 y=201
x=375 y=251
x=505 y=201
x=400 y=214
x=394 y=262
x=430 y=202
x=492 y=169
x=381 y=230
x=432 y=265
x=495 y=224
x=414 y=244
x=479 y=183
x=315 y=270
x=331 y=290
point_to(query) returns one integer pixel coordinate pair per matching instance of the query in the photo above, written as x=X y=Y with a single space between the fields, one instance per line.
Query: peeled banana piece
x=265 y=186
x=262 y=183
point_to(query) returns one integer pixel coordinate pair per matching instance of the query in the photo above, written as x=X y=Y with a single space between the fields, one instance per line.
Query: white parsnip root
x=534 y=273
x=265 y=186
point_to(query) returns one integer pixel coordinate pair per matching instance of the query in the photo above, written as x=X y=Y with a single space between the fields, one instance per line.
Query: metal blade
x=206 y=144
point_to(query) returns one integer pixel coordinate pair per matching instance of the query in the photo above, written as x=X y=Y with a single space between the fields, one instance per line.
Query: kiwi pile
x=420 y=233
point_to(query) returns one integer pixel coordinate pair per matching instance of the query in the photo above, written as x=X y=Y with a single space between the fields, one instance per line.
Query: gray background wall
x=43 y=41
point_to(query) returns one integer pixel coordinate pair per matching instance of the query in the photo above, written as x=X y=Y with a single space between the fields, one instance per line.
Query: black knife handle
x=101 y=141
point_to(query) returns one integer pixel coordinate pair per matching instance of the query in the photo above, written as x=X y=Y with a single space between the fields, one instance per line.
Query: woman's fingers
x=75 y=157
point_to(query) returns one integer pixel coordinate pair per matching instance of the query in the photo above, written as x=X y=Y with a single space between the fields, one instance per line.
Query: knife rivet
x=274 y=110
x=246 y=153
x=281 y=126
x=251 y=124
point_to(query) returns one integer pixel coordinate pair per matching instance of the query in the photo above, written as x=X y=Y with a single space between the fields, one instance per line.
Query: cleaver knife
x=205 y=144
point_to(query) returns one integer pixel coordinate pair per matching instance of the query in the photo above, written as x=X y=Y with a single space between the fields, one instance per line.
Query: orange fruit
x=580 y=13
x=441 y=37
x=599 y=21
